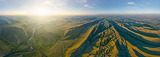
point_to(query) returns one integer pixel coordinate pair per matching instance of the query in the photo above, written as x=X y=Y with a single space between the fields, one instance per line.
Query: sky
x=79 y=6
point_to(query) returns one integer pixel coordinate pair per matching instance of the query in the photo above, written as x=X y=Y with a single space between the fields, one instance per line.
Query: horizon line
x=75 y=14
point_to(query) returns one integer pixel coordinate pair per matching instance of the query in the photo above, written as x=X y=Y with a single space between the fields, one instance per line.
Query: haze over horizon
x=74 y=7
x=79 y=28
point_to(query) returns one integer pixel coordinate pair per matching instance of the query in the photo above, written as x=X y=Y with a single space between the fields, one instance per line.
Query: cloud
x=89 y=6
x=55 y=3
x=48 y=2
x=85 y=1
x=131 y=3
x=82 y=1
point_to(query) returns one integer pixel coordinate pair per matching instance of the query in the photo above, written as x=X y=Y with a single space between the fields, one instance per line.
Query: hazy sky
x=79 y=6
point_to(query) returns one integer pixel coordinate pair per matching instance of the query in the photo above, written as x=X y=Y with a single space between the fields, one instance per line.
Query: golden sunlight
x=41 y=11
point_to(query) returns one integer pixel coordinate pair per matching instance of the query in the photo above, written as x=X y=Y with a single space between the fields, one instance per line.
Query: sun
x=41 y=11
x=46 y=11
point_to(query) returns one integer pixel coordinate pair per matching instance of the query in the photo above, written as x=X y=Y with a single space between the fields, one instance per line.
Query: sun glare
x=41 y=11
